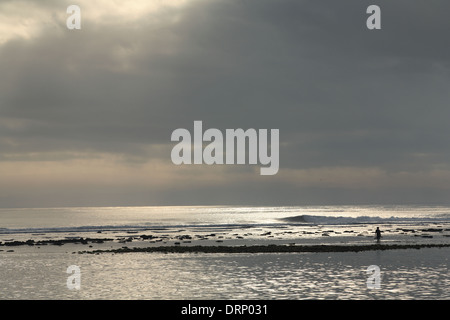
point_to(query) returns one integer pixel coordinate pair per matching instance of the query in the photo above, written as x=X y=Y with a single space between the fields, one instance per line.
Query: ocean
x=82 y=220
x=39 y=270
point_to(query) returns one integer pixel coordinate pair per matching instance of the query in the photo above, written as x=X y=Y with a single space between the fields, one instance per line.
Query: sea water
x=94 y=219
x=40 y=272
x=404 y=274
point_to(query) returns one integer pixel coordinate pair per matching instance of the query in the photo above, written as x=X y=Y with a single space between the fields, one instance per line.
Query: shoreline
x=266 y=248
x=212 y=243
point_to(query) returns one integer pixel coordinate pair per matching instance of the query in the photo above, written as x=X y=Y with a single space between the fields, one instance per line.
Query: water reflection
x=405 y=274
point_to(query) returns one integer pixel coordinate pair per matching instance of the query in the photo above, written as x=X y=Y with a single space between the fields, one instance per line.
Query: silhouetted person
x=378 y=234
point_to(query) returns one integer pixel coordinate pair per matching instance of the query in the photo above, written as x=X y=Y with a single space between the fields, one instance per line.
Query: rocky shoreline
x=248 y=241
x=58 y=242
x=265 y=248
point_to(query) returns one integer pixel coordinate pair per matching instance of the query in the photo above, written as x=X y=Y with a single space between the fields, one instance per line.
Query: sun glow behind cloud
x=21 y=19
x=26 y=19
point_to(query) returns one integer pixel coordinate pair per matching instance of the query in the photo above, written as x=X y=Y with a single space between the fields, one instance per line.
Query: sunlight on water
x=405 y=274
x=34 y=272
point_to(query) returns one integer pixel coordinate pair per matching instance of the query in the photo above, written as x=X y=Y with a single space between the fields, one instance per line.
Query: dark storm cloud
x=340 y=94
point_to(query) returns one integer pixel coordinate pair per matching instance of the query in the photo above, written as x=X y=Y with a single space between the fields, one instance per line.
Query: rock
x=14 y=243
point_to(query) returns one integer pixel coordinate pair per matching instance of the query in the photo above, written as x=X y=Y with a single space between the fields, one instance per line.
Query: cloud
x=372 y=102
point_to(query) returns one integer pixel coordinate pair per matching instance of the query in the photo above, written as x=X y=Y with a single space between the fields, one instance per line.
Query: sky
x=86 y=116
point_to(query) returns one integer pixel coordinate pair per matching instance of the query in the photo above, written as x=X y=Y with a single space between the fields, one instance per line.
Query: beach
x=254 y=259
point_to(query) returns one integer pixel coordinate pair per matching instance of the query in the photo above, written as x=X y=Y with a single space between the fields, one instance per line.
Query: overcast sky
x=86 y=115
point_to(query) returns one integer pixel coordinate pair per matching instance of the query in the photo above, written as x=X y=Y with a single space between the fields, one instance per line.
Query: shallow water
x=404 y=274
x=39 y=272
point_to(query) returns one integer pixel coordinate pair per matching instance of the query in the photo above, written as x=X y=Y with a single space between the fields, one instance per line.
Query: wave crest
x=341 y=220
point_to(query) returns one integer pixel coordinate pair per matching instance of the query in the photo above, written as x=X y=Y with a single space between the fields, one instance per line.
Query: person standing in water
x=378 y=234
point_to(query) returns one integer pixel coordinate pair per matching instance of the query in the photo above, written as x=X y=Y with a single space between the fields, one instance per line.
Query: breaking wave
x=340 y=220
